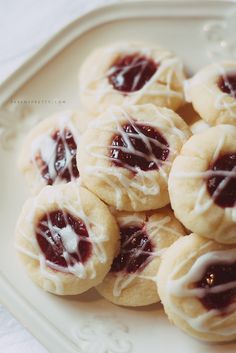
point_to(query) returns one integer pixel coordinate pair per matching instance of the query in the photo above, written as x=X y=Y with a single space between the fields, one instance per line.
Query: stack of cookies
x=114 y=203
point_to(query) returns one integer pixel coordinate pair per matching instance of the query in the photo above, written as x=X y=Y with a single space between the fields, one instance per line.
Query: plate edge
x=102 y=15
x=7 y=291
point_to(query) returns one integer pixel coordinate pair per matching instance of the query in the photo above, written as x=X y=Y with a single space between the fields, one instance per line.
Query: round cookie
x=48 y=154
x=212 y=92
x=67 y=239
x=202 y=184
x=144 y=237
x=197 y=286
x=131 y=73
x=126 y=153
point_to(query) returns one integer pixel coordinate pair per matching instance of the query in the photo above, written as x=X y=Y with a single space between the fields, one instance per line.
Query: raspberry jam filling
x=135 y=252
x=216 y=275
x=63 y=159
x=63 y=239
x=223 y=187
x=227 y=84
x=129 y=73
x=139 y=146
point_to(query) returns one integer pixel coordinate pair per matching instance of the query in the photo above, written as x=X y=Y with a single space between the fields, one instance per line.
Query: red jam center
x=223 y=187
x=53 y=245
x=64 y=158
x=136 y=250
x=129 y=73
x=217 y=275
x=139 y=146
x=227 y=84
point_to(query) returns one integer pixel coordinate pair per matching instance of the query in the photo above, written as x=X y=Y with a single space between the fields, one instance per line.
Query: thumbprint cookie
x=131 y=73
x=48 y=155
x=212 y=92
x=202 y=184
x=125 y=155
x=197 y=286
x=64 y=245
x=133 y=274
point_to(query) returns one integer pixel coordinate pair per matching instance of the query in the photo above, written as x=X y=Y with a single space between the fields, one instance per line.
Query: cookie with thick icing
x=48 y=155
x=126 y=154
x=131 y=73
x=197 y=286
x=212 y=92
x=144 y=238
x=202 y=184
x=67 y=239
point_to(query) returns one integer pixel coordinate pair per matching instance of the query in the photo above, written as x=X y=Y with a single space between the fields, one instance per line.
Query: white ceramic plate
x=87 y=323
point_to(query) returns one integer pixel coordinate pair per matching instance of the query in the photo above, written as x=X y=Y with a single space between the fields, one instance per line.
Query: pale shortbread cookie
x=67 y=239
x=48 y=155
x=197 y=286
x=126 y=154
x=131 y=73
x=212 y=92
x=144 y=238
x=202 y=184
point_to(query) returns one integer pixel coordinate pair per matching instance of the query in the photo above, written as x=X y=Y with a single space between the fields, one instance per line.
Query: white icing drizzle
x=202 y=206
x=69 y=239
x=210 y=321
x=50 y=276
x=144 y=183
x=131 y=219
x=123 y=278
x=221 y=101
x=45 y=146
x=168 y=64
